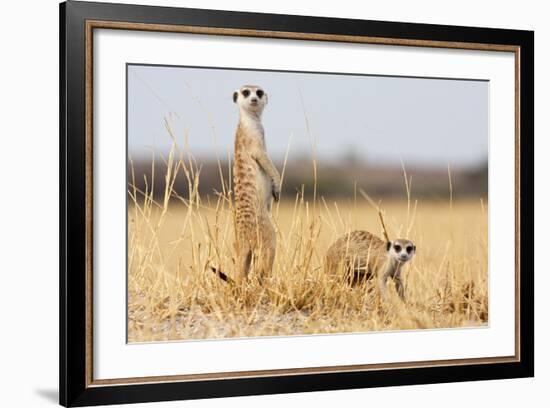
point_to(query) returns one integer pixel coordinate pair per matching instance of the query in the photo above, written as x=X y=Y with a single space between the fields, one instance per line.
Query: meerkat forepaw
x=276 y=192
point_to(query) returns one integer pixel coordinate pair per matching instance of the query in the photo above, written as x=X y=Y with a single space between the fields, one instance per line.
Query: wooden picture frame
x=78 y=20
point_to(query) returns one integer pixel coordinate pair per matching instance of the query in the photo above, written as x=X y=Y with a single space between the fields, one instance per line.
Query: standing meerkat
x=360 y=255
x=255 y=181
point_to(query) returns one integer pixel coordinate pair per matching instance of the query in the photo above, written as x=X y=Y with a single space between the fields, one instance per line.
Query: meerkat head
x=251 y=98
x=401 y=250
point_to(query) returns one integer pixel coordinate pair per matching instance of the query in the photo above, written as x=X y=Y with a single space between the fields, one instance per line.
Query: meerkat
x=360 y=256
x=255 y=181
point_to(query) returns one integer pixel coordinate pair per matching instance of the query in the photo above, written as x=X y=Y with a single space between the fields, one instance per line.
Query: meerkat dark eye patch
x=260 y=93
x=397 y=248
x=246 y=93
x=409 y=249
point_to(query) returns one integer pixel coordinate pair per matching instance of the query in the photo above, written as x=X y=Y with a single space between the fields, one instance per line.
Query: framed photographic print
x=256 y=203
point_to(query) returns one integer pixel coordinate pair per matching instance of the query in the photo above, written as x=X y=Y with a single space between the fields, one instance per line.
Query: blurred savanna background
x=347 y=146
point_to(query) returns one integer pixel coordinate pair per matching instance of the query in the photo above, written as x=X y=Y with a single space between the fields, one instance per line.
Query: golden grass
x=173 y=295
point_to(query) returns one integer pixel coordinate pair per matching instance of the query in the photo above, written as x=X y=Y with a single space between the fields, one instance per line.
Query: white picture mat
x=113 y=358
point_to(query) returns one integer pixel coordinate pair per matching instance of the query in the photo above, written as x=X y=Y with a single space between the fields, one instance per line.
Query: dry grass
x=172 y=294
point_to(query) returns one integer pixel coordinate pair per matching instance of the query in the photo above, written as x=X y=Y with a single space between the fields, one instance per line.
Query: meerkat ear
x=235 y=96
x=388 y=245
x=266 y=99
x=414 y=248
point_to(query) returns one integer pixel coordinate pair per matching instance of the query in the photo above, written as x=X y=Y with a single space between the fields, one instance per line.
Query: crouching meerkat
x=360 y=255
x=255 y=181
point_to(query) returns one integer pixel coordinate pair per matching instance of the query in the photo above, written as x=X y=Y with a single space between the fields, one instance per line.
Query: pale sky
x=423 y=122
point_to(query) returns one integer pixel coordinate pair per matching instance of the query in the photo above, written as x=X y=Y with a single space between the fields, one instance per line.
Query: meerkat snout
x=401 y=250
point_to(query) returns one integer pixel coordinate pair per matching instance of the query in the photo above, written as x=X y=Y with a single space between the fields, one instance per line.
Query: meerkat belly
x=250 y=186
x=263 y=185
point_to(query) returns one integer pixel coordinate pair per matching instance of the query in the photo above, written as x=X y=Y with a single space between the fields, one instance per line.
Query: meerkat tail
x=223 y=276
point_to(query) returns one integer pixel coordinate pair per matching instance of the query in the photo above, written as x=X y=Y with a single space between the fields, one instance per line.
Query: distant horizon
x=328 y=162
x=373 y=120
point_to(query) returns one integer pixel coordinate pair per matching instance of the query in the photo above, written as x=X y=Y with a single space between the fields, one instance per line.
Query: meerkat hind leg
x=266 y=263
x=244 y=261
x=359 y=272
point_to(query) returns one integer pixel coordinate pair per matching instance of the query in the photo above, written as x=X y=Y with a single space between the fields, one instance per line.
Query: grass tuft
x=173 y=294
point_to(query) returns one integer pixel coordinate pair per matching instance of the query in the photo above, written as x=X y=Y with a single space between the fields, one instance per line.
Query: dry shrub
x=173 y=295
